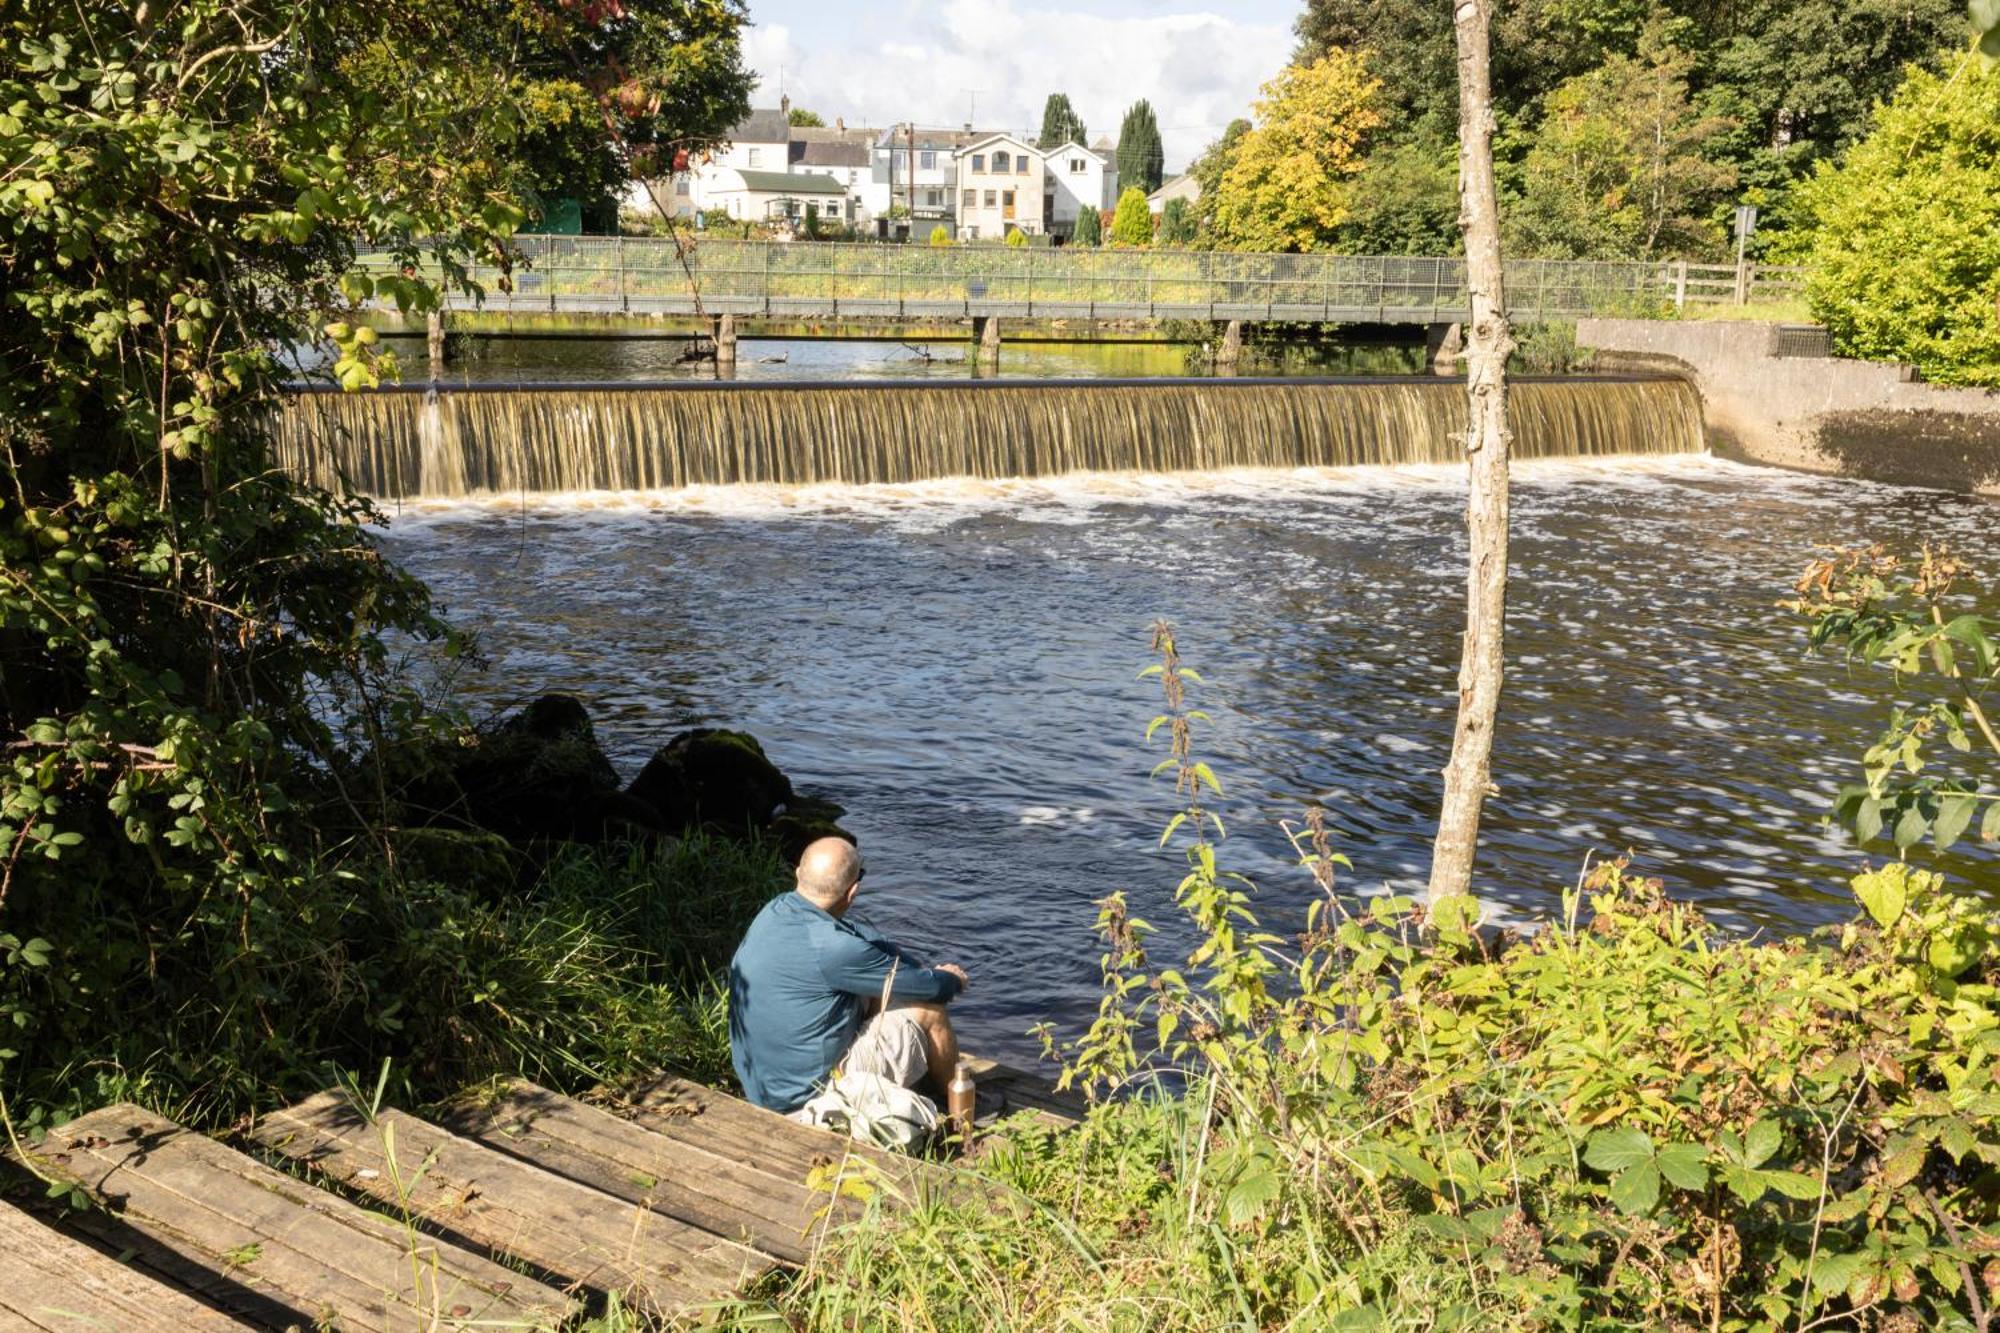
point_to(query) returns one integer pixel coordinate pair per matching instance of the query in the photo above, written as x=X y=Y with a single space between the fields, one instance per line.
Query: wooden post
x=1468 y=774
x=986 y=330
x=1680 y=285
x=725 y=341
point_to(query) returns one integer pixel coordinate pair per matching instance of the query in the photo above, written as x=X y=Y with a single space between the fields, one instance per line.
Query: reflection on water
x=956 y=662
x=479 y=360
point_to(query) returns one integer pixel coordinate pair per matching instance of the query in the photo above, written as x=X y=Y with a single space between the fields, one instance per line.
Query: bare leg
x=940 y=1042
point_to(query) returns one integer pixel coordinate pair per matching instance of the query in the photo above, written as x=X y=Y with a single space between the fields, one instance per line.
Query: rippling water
x=956 y=663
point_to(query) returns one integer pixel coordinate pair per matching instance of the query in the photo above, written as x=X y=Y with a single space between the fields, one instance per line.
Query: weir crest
x=416 y=444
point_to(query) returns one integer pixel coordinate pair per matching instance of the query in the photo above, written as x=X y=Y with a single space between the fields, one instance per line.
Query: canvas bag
x=873 y=1109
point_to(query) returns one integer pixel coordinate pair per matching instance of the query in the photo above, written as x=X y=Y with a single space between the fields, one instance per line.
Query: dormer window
x=1076 y=166
x=1002 y=163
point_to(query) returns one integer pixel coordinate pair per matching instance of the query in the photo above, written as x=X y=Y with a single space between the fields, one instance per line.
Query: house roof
x=837 y=154
x=1183 y=186
x=936 y=137
x=1071 y=145
x=834 y=134
x=1104 y=144
x=1008 y=135
x=790 y=182
x=766 y=126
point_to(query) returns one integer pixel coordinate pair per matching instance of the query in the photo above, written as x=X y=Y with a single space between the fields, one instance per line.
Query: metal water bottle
x=962 y=1101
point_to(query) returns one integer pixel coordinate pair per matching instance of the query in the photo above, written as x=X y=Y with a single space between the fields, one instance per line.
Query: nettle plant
x=1629 y=1115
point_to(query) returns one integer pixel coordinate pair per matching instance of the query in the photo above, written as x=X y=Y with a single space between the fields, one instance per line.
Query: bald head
x=829 y=872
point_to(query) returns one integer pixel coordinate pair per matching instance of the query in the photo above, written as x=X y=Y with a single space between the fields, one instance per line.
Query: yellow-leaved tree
x=1288 y=185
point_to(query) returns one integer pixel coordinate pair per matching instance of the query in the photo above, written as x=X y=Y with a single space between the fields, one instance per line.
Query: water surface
x=956 y=663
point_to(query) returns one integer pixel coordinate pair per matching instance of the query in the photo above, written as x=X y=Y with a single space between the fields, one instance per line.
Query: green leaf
x=1954 y=814
x=1989 y=827
x=1616 y=1149
x=1636 y=1189
x=1761 y=1143
x=1868 y=820
x=1885 y=893
x=1791 y=1184
x=1910 y=829
x=1254 y=1190
x=1684 y=1165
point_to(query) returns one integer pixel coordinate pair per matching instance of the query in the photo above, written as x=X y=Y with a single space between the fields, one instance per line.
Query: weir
x=415 y=443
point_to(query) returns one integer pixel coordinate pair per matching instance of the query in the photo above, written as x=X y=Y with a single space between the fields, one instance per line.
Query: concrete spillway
x=410 y=444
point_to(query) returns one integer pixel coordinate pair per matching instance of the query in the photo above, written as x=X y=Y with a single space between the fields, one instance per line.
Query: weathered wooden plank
x=273 y=1248
x=1004 y=1090
x=49 y=1281
x=771 y=1210
x=480 y=1197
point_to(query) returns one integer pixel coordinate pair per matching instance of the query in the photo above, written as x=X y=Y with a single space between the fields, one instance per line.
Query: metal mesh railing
x=645 y=275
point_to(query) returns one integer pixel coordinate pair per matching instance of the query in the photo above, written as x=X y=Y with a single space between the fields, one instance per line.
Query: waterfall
x=401 y=444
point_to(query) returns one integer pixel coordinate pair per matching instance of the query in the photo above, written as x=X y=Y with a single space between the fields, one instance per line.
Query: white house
x=1000 y=188
x=1076 y=178
x=1183 y=186
x=773 y=196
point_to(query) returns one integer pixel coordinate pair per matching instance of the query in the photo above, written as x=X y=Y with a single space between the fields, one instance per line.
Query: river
x=957 y=661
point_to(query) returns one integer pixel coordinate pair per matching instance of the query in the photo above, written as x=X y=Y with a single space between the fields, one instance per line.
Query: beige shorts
x=892 y=1045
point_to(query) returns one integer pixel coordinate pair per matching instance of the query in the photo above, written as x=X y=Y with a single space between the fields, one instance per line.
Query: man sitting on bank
x=802 y=984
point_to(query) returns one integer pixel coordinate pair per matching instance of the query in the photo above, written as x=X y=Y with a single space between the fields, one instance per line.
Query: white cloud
x=931 y=63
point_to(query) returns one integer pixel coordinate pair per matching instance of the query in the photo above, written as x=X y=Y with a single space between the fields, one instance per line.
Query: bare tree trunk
x=1468 y=775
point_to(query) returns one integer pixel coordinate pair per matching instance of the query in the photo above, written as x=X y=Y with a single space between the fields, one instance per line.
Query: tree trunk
x=1468 y=775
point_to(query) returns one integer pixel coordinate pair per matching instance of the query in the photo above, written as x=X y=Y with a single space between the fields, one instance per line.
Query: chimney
x=785 y=103
x=840 y=124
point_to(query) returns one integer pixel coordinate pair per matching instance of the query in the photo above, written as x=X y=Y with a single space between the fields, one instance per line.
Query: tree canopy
x=1141 y=154
x=1904 y=248
x=802 y=118
x=1060 y=123
x=1287 y=185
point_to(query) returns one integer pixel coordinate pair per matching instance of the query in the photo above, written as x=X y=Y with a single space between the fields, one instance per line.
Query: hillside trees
x=1142 y=155
x=1621 y=167
x=1904 y=252
x=1288 y=182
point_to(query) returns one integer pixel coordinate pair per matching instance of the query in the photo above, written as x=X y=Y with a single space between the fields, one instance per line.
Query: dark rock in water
x=541 y=775
x=711 y=777
x=804 y=821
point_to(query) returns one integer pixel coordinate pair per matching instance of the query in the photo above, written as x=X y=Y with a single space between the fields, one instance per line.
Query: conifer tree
x=1060 y=123
x=1089 y=230
x=1141 y=155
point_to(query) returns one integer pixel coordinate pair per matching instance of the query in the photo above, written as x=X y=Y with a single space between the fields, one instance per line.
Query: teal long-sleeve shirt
x=796 y=988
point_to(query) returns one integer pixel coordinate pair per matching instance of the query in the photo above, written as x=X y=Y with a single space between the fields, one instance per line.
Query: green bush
x=941 y=235
x=1132 y=224
x=1903 y=237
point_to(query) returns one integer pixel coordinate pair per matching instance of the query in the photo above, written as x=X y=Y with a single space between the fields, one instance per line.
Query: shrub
x=1018 y=239
x=1089 y=228
x=1903 y=240
x=1132 y=224
x=941 y=235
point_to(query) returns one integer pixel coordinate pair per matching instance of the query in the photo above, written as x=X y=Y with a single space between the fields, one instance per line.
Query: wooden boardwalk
x=516 y=1208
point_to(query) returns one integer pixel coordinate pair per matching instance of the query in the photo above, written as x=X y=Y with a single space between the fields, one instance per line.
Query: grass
x=1784 y=310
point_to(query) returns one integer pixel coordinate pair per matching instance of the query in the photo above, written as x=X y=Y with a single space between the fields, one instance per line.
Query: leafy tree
x=1060 y=123
x=1141 y=155
x=1405 y=201
x=1620 y=167
x=804 y=119
x=1903 y=237
x=1132 y=224
x=1177 y=225
x=1089 y=228
x=194 y=672
x=1208 y=171
x=1288 y=185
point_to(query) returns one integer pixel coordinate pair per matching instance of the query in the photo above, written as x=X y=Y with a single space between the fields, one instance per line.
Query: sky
x=879 y=62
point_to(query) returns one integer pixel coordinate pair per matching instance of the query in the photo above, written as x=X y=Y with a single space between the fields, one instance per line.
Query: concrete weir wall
x=1817 y=414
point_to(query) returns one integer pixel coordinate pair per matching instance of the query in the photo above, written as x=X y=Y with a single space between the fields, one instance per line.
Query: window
x=989 y=198
x=979 y=162
x=1007 y=198
x=1002 y=164
x=971 y=199
x=934 y=198
x=1076 y=166
x=681 y=185
x=755 y=154
x=927 y=160
x=1021 y=165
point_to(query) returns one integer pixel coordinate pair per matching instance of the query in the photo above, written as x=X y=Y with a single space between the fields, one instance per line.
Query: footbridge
x=703 y=277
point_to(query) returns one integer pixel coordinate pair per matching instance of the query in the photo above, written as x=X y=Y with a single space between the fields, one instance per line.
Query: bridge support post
x=986 y=333
x=725 y=341
x=1231 y=351
x=1442 y=345
x=434 y=342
